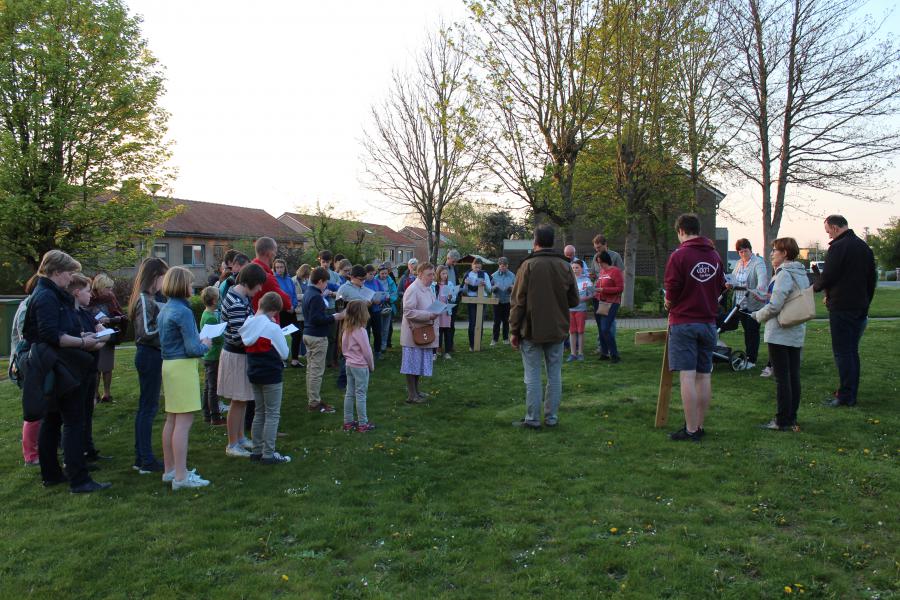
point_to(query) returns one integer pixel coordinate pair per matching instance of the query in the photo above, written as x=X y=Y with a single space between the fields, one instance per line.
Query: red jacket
x=271 y=285
x=694 y=280
x=610 y=285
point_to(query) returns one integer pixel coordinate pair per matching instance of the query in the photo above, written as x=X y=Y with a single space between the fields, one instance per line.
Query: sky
x=269 y=102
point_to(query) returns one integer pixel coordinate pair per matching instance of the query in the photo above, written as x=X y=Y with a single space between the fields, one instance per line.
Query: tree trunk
x=632 y=236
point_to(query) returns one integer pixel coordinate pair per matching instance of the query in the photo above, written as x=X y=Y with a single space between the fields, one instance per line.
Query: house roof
x=305 y=223
x=226 y=221
x=421 y=234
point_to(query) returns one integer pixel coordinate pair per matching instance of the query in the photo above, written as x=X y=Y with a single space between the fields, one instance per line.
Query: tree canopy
x=81 y=132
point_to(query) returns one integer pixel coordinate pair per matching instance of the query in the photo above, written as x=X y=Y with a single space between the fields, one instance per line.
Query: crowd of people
x=341 y=315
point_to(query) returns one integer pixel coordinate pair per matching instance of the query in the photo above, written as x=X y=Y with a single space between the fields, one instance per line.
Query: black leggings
x=751 y=336
x=786 y=364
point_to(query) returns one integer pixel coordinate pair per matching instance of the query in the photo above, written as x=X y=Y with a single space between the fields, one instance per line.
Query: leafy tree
x=342 y=233
x=462 y=219
x=886 y=244
x=79 y=117
x=497 y=226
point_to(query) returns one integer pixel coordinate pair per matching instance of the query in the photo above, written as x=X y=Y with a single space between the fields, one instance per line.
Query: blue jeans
x=386 y=324
x=148 y=362
x=534 y=358
x=357 y=386
x=603 y=349
x=847 y=327
x=608 y=332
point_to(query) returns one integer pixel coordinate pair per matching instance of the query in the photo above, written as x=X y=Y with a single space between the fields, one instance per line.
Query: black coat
x=48 y=373
x=849 y=276
x=51 y=313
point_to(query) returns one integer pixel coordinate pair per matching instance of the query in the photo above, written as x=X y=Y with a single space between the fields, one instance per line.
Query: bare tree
x=545 y=86
x=424 y=150
x=813 y=92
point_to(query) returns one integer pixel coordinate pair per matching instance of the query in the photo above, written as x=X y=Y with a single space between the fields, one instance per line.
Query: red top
x=610 y=285
x=271 y=285
x=694 y=280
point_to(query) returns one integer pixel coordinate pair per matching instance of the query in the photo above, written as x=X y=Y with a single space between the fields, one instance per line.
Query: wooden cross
x=480 y=300
x=665 y=376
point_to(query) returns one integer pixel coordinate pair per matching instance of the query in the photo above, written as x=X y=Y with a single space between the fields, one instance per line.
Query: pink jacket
x=416 y=299
x=356 y=349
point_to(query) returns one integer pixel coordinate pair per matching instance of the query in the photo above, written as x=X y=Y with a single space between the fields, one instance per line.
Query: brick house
x=198 y=238
x=391 y=245
x=419 y=236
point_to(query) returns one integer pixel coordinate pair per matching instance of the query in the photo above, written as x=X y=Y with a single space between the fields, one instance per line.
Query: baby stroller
x=728 y=321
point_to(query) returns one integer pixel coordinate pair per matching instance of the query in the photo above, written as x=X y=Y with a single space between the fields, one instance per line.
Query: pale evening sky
x=268 y=103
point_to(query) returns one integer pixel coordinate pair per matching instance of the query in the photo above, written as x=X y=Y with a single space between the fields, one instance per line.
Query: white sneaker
x=223 y=408
x=246 y=444
x=447 y=356
x=767 y=372
x=506 y=342
x=170 y=476
x=434 y=357
x=493 y=343
x=191 y=481
x=237 y=451
x=747 y=366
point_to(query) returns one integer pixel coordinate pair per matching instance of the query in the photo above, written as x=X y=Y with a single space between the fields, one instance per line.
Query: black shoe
x=57 y=481
x=701 y=432
x=90 y=486
x=837 y=403
x=95 y=456
x=682 y=435
x=255 y=457
x=548 y=424
x=604 y=357
x=526 y=425
x=615 y=360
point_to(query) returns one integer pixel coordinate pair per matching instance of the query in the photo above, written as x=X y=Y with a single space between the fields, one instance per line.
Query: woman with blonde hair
x=418 y=356
x=181 y=348
x=105 y=305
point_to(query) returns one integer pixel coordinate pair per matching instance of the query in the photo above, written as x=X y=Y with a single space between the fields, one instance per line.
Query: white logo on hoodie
x=703 y=271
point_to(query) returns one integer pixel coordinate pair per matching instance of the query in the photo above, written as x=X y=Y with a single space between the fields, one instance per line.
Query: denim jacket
x=178 y=335
x=503 y=284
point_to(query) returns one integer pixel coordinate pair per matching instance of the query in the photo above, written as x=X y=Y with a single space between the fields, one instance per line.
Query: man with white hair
x=570 y=253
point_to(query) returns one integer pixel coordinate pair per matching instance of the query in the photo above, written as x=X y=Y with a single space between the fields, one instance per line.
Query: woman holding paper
x=105 y=308
x=474 y=281
x=418 y=357
x=609 y=287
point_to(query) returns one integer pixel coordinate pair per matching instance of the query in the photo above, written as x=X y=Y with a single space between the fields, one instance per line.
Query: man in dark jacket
x=541 y=297
x=694 y=280
x=849 y=284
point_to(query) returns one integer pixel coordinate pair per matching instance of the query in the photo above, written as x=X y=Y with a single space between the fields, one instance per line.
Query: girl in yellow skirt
x=181 y=348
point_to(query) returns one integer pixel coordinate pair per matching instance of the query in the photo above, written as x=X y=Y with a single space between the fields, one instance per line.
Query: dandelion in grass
x=614 y=530
x=285 y=578
x=788 y=589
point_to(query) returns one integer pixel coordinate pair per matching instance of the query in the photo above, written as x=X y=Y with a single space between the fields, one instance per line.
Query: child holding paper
x=474 y=281
x=358 y=354
x=210 y=316
x=375 y=309
x=578 y=315
x=445 y=293
x=266 y=351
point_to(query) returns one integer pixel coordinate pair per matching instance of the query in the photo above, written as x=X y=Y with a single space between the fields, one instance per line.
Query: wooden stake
x=479 y=300
x=665 y=375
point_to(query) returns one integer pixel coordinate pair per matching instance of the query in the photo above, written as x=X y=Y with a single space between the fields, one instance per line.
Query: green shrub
x=646 y=289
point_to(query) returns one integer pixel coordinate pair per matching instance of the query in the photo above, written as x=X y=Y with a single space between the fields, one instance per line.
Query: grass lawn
x=886 y=303
x=449 y=501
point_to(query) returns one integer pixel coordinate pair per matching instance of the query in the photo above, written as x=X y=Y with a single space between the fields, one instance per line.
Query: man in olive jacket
x=544 y=292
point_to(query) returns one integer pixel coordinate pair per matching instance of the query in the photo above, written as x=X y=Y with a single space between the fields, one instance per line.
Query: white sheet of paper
x=437 y=307
x=367 y=294
x=104 y=333
x=211 y=331
x=100 y=315
x=289 y=329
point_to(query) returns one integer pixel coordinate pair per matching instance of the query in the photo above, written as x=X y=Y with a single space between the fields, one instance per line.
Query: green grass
x=886 y=303
x=449 y=501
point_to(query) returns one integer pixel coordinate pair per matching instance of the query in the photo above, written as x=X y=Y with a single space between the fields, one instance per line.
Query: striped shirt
x=235 y=310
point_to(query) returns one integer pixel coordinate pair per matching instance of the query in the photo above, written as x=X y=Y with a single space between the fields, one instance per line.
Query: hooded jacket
x=266 y=349
x=544 y=292
x=694 y=280
x=790 y=276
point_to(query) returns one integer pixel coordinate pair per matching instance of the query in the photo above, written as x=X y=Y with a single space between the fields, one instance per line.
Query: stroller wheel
x=738 y=360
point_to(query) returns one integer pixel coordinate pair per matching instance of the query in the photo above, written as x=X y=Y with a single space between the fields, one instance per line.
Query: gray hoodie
x=789 y=277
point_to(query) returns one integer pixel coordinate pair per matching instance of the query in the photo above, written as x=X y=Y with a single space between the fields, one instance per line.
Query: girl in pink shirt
x=360 y=362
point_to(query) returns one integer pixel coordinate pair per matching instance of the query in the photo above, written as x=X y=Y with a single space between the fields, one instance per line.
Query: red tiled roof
x=225 y=220
x=383 y=231
x=422 y=234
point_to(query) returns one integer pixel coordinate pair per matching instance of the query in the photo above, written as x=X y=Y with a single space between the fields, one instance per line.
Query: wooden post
x=665 y=376
x=481 y=299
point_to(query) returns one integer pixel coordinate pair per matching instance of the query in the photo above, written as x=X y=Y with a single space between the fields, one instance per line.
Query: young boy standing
x=267 y=350
x=211 y=413
x=316 y=323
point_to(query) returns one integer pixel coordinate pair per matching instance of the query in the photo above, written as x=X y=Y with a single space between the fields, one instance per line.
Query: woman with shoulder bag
x=785 y=342
x=418 y=332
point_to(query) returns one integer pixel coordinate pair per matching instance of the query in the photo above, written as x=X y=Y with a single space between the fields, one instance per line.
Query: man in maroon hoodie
x=694 y=280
